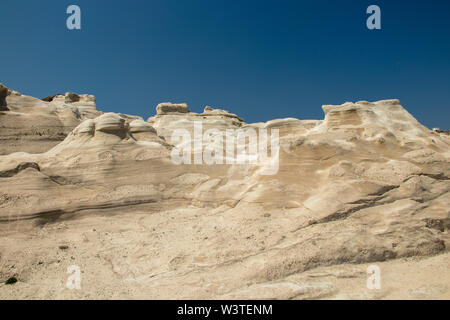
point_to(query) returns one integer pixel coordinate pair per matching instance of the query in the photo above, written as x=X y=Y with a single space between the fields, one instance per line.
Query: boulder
x=168 y=107
x=110 y=122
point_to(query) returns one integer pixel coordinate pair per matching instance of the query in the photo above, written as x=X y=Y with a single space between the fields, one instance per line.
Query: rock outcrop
x=366 y=185
x=3 y=94
x=33 y=125
x=165 y=123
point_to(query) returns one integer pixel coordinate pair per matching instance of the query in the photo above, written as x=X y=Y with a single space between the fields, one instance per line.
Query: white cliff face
x=367 y=185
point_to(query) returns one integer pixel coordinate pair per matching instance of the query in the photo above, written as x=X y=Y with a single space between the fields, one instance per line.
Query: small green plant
x=11 y=280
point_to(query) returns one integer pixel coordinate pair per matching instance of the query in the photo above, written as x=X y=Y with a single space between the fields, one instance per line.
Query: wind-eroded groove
x=371 y=200
x=439 y=176
x=58 y=211
x=20 y=167
x=63 y=181
x=367 y=202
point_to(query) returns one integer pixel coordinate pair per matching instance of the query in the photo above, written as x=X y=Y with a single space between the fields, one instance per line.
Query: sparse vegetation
x=10 y=281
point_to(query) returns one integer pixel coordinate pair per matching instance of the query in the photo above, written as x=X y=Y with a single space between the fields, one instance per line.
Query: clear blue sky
x=259 y=59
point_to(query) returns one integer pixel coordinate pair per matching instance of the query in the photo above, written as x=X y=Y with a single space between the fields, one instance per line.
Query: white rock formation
x=367 y=185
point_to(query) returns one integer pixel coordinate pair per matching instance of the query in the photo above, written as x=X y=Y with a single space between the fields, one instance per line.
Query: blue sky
x=259 y=59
